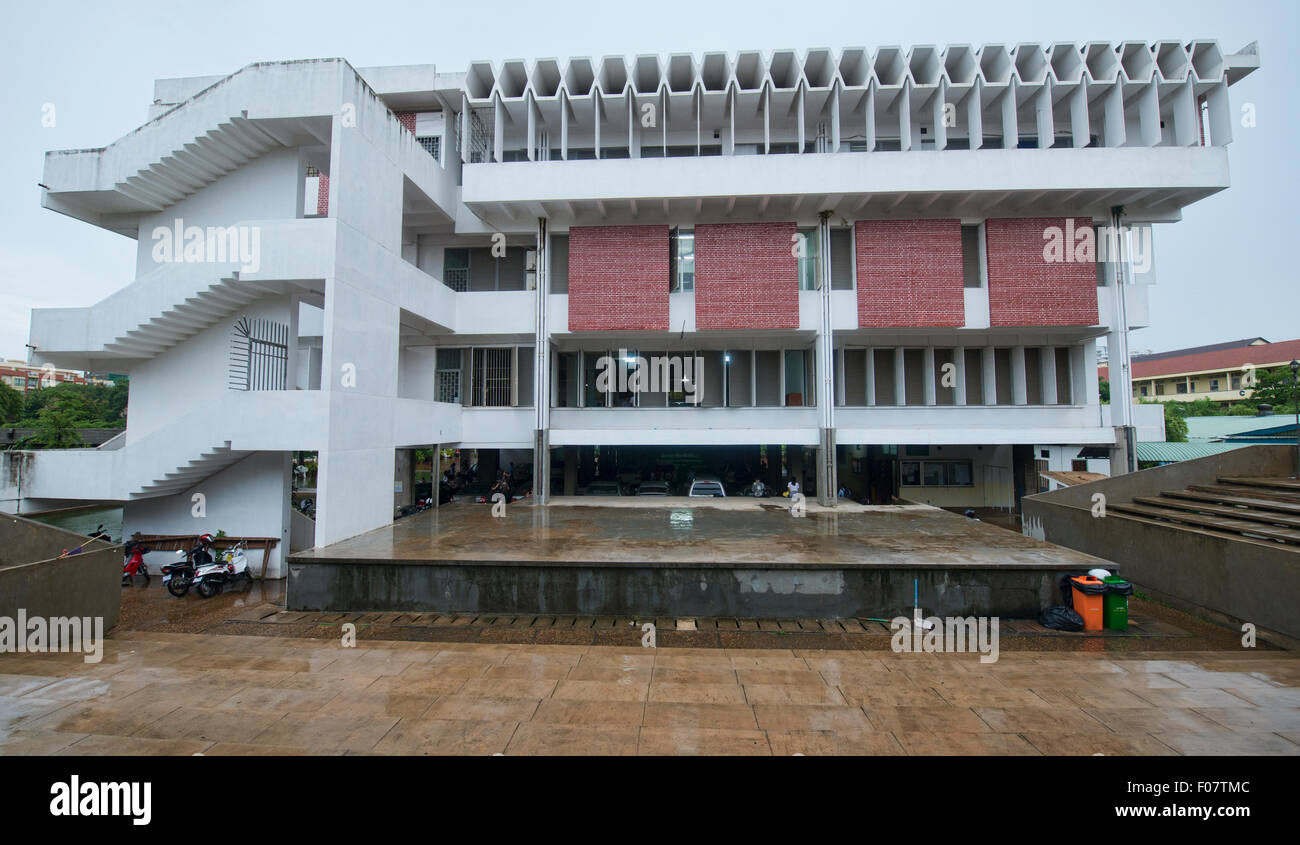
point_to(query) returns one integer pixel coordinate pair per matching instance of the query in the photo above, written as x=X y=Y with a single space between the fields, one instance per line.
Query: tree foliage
x=87 y=405
x=11 y=404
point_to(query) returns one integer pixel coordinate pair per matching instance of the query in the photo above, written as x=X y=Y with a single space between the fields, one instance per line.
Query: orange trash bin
x=1088 y=595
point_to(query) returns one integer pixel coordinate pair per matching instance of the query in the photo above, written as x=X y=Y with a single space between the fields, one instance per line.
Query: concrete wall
x=1246 y=580
x=665 y=590
x=33 y=579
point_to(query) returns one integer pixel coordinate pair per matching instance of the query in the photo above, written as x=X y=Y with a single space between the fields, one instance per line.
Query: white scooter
x=231 y=566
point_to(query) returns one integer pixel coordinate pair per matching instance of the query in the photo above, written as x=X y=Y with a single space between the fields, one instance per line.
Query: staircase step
x=1257 y=492
x=1232 y=526
x=1247 y=501
x=1270 y=517
x=1260 y=481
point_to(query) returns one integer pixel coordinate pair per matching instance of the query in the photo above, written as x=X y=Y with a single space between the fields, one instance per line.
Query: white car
x=707 y=487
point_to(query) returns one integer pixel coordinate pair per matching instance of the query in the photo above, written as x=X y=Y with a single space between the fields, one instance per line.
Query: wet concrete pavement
x=167 y=693
x=750 y=532
x=237 y=675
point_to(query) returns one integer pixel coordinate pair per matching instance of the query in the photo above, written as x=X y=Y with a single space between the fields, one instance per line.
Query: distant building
x=23 y=377
x=1217 y=372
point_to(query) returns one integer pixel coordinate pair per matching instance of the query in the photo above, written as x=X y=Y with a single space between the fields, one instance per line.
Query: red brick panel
x=323 y=195
x=618 y=278
x=1036 y=277
x=407 y=119
x=909 y=273
x=746 y=276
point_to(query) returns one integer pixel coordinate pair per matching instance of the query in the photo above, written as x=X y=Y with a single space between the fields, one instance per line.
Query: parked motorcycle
x=179 y=576
x=231 y=567
x=133 y=563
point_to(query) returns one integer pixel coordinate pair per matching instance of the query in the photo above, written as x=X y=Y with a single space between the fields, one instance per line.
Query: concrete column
x=542 y=369
x=1047 y=374
x=1019 y=387
x=1078 y=376
x=1121 y=375
x=839 y=382
x=959 y=371
x=988 y=360
x=827 y=482
x=900 y=378
x=871 y=376
x=927 y=376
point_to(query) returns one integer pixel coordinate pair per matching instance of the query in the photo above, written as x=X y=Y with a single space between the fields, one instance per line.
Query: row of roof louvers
x=855 y=67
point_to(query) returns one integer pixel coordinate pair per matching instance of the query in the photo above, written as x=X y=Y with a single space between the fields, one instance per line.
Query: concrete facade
x=439 y=291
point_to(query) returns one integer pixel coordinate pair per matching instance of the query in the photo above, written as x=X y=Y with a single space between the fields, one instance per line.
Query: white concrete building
x=878 y=256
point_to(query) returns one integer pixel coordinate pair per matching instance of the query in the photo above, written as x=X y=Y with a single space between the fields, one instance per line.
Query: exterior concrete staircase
x=1257 y=508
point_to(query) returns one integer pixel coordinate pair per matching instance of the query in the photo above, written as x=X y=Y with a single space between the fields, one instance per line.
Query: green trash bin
x=1114 y=606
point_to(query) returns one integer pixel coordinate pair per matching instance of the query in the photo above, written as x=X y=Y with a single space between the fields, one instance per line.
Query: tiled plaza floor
x=184 y=693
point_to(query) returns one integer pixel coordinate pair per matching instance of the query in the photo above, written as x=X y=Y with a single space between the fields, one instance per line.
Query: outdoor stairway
x=1259 y=508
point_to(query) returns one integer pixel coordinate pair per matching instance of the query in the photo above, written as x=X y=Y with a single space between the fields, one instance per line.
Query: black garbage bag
x=1061 y=619
x=1120 y=588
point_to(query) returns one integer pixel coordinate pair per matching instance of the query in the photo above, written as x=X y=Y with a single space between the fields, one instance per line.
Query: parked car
x=603 y=488
x=654 y=488
x=707 y=487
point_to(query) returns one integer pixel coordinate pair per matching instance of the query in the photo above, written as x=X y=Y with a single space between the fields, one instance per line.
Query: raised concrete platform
x=742 y=560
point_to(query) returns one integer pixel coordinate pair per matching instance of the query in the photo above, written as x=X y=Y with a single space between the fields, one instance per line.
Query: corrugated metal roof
x=1213 y=428
x=1174 y=452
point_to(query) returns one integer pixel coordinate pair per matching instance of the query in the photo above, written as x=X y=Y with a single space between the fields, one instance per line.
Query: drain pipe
x=1121 y=399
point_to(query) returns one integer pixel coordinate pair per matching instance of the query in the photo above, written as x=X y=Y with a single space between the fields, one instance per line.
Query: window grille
x=259 y=355
x=432 y=145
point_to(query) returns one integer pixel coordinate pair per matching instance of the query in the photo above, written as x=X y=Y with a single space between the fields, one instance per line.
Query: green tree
x=56 y=426
x=11 y=404
x=1274 y=387
x=1175 y=425
x=1103 y=387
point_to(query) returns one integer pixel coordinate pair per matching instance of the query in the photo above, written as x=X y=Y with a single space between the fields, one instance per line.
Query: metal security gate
x=259 y=355
x=493 y=377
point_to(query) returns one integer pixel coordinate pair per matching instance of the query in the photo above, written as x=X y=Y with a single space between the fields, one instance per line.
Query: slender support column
x=900 y=377
x=542 y=371
x=871 y=376
x=1019 y=386
x=1124 y=457
x=927 y=376
x=827 y=482
x=1047 y=374
x=989 y=361
x=959 y=374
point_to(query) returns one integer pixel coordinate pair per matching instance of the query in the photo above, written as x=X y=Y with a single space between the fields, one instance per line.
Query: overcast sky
x=1227 y=271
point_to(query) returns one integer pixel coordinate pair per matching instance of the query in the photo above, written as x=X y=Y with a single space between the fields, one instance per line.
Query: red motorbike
x=133 y=563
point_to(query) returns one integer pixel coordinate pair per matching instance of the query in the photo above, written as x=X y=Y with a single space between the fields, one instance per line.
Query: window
x=259 y=355
x=455 y=268
x=970 y=256
x=808 y=254
x=1144 y=390
x=432 y=145
x=1181 y=387
x=936 y=474
x=448 y=384
x=841 y=259
x=1236 y=382
x=683 y=261
x=492 y=377
x=1214 y=384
